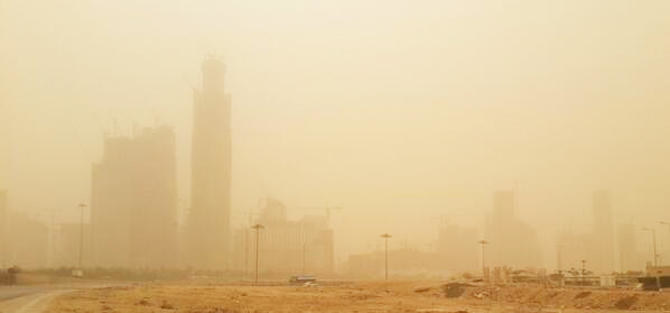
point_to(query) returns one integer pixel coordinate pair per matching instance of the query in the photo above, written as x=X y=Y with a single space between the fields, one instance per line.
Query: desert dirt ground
x=361 y=297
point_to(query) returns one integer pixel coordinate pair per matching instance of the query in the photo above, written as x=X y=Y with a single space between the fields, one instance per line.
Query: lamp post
x=258 y=228
x=386 y=255
x=82 y=206
x=653 y=242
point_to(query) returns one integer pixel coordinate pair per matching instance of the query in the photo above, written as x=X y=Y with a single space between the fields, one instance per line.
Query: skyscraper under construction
x=209 y=216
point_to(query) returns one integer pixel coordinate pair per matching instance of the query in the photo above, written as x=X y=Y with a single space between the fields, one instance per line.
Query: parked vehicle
x=302 y=279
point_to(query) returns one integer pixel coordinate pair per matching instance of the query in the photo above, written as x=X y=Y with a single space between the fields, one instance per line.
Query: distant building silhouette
x=286 y=244
x=404 y=263
x=65 y=245
x=629 y=255
x=457 y=248
x=30 y=248
x=511 y=241
x=597 y=246
x=603 y=232
x=134 y=201
x=209 y=217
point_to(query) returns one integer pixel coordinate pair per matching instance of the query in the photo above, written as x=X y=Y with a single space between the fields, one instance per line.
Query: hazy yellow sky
x=398 y=111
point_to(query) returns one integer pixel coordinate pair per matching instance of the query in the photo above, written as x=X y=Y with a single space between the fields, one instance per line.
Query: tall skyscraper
x=209 y=217
x=511 y=241
x=629 y=257
x=134 y=201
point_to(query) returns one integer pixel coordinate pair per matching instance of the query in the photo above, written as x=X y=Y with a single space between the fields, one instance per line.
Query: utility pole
x=258 y=228
x=653 y=242
x=386 y=255
x=81 y=235
x=483 y=243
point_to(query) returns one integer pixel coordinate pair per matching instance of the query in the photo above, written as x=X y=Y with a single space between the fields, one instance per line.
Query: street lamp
x=82 y=206
x=258 y=228
x=483 y=243
x=653 y=240
x=386 y=255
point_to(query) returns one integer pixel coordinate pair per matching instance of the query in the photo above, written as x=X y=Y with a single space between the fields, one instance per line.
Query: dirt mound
x=626 y=302
x=454 y=290
x=560 y=297
x=582 y=294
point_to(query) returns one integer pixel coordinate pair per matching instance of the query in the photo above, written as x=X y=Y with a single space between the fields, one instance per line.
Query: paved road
x=10 y=292
x=28 y=299
x=34 y=299
x=30 y=303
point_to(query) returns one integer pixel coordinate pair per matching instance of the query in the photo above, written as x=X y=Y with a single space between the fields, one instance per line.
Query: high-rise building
x=629 y=255
x=603 y=232
x=134 y=201
x=209 y=216
x=511 y=241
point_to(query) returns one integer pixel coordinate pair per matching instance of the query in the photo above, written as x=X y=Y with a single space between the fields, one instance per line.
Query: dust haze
x=538 y=126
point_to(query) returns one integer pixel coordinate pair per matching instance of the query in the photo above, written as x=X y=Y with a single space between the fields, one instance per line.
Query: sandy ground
x=355 y=298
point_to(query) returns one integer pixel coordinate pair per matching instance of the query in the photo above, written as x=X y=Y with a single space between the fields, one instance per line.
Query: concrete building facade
x=630 y=258
x=209 y=215
x=511 y=241
x=286 y=247
x=134 y=201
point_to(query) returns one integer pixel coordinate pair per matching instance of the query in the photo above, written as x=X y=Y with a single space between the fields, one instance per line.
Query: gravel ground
x=354 y=297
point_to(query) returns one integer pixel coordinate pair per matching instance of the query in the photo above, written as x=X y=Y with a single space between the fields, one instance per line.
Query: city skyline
x=333 y=109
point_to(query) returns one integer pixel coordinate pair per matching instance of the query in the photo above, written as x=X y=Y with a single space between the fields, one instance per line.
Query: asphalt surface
x=35 y=298
x=28 y=299
x=11 y=292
